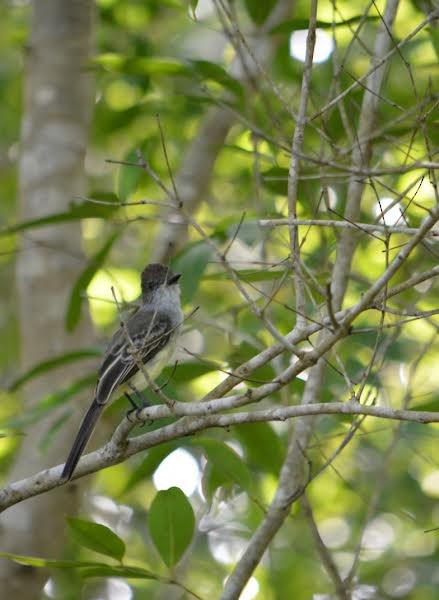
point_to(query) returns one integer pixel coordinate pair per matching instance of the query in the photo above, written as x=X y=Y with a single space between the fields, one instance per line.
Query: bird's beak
x=174 y=278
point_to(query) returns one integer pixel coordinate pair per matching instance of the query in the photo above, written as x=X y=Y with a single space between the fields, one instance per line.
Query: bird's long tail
x=82 y=437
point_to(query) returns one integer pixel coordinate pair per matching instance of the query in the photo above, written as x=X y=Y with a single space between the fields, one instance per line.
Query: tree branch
x=112 y=454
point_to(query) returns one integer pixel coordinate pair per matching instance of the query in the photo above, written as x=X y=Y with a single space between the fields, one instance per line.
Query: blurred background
x=104 y=108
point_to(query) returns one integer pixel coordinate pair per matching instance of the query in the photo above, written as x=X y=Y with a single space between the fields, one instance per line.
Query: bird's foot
x=142 y=402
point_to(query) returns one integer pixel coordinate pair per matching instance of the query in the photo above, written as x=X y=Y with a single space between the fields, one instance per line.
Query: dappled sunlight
x=297 y=203
x=430 y=484
x=378 y=537
x=201 y=385
x=127 y=288
x=419 y=543
x=226 y=549
x=226 y=536
x=204 y=9
x=390 y=211
x=323 y=47
x=251 y=589
x=117 y=589
x=399 y=582
x=120 y=95
x=329 y=200
x=178 y=469
x=112 y=514
x=344 y=562
x=335 y=532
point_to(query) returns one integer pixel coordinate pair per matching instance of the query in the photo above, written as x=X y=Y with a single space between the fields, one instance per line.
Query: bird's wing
x=149 y=331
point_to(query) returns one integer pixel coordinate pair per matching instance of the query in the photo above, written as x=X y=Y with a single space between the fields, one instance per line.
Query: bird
x=149 y=335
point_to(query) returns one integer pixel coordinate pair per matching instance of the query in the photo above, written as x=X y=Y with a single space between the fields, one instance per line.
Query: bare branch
x=365 y=227
x=112 y=454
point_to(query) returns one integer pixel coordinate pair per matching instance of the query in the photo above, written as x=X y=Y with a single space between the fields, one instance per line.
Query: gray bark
x=293 y=477
x=58 y=102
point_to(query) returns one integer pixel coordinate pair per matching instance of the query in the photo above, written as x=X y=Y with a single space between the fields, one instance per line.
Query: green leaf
x=145 y=65
x=87 y=568
x=158 y=65
x=118 y=571
x=251 y=275
x=110 y=61
x=82 y=210
x=129 y=176
x=49 y=403
x=96 y=537
x=259 y=9
x=188 y=371
x=242 y=353
x=262 y=446
x=301 y=24
x=171 y=523
x=35 y=561
x=213 y=479
x=276 y=180
x=431 y=405
x=225 y=227
x=53 y=363
x=227 y=464
x=434 y=36
x=149 y=464
x=74 y=309
x=191 y=263
x=51 y=434
x=213 y=71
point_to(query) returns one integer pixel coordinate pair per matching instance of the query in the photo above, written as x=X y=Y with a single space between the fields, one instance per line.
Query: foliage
x=161 y=67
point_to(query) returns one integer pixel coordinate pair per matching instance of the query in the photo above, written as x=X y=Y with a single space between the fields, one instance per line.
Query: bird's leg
x=136 y=407
x=141 y=396
x=131 y=401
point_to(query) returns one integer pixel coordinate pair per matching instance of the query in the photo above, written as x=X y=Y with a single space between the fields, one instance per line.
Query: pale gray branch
x=378 y=64
x=111 y=454
x=366 y=227
x=119 y=449
x=292 y=478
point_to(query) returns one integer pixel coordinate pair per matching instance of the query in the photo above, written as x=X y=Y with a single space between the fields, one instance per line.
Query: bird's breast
x=155 y=365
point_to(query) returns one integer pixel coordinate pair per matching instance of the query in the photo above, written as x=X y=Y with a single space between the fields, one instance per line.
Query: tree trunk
x=58 y=103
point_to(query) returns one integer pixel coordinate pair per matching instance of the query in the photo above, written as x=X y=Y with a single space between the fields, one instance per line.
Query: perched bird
x=149 y=336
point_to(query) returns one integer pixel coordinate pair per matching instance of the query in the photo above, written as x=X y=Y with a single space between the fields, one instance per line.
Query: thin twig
x=366 y=227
